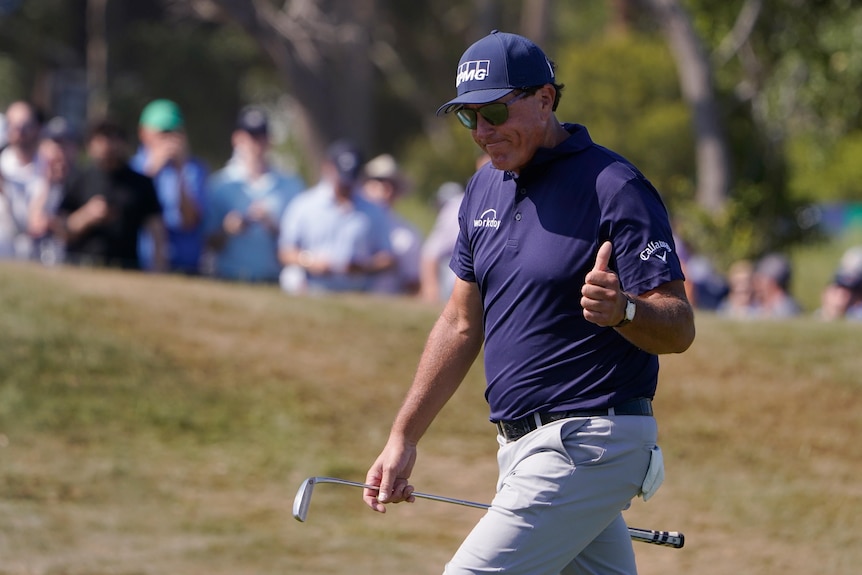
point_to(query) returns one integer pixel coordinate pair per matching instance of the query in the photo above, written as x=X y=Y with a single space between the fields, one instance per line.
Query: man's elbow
x=683 y=331
x=685 y=338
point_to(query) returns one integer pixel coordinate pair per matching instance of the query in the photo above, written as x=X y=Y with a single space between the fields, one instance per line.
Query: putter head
x=303 y=499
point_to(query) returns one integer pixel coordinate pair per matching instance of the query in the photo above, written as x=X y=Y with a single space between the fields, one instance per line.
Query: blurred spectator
x=107 y=205
x=437 y=278
x=740 y=300
x=333 y=239
x=3 y=140
x=708 y=286
x=59 y=148
x=385 y=185
x=7 y=226
x=842 y=298
x=705 y=288
x=21 y=171
x=772 y=287
x=247 y=199
x=180 y=181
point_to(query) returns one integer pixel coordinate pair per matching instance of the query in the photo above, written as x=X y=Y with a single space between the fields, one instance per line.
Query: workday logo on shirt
x=488 y=219
x=472 y=70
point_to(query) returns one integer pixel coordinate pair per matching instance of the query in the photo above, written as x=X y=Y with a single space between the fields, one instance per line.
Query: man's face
x=107 y=152
x=251 y=147
x=54 y=157
x=22 y=128
x=512 y=144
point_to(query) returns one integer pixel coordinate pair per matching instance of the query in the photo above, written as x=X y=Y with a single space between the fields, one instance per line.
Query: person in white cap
x=385 y=185
x=842 y=297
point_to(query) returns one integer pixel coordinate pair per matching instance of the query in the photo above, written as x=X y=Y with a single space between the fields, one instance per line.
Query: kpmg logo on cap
x=472 y=70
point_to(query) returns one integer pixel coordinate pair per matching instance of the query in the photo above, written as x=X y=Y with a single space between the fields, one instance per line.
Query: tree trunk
x=695 y=76
x=97 y=59
x=535 y=20
x=324 y=60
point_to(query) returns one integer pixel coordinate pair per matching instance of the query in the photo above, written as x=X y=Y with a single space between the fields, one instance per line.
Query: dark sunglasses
x=495 y=114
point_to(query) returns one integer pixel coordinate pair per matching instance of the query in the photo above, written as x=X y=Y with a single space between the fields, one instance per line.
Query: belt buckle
x=512 y=431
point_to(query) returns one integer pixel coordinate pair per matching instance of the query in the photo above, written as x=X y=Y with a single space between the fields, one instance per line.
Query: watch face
x=630 y=310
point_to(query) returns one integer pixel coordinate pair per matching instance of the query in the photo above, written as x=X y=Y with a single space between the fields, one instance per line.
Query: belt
x=517 y=428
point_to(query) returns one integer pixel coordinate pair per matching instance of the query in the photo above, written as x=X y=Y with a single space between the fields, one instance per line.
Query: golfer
x=568 y=274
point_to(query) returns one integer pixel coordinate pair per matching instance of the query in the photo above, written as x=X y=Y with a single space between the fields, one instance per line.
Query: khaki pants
x=560 y=497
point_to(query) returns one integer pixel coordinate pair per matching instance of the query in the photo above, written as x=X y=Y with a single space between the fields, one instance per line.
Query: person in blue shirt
x=332 y=239
x=385 y=185
x=180 y=181
x=842 y=297
x=247 y=199
x=568 y=276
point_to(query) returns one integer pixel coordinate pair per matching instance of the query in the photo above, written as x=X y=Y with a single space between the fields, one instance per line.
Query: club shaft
x=415 y=494
x=673 y=539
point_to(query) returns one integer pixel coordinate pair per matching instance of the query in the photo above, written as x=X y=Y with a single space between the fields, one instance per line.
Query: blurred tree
x=785 y=77
x=694 y=71
x=321 y=51
x=85 y=58
x=41 y=37
x=363 y=69
x=646 y=121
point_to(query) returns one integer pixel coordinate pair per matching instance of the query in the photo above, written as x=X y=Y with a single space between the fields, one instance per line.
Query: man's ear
x=547 y=93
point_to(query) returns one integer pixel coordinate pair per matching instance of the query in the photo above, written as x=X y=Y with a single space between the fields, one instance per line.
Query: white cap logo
x=472 y=70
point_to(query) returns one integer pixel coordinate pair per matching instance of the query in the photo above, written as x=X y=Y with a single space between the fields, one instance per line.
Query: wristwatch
x=631 y=308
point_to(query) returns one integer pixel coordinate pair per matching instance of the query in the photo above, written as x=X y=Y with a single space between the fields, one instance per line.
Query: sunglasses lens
x=467 y=118
x=496 y=114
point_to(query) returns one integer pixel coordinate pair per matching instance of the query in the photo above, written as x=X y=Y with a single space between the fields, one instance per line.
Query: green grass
x=161 y=424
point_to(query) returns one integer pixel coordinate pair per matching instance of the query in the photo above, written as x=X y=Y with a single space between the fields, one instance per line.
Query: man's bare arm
x=451 y=349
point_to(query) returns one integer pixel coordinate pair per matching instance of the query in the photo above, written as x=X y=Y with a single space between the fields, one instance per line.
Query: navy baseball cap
x=494 y=66
x=253 y=120
x=59 y=129
x=347 y=159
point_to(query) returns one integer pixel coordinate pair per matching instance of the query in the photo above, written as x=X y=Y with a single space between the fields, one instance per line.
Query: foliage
x=756 y=220
x=801 y=73
x=827 y=171
x=158 y=56
x=37 y=36
x=789 y=91
x=624 y=90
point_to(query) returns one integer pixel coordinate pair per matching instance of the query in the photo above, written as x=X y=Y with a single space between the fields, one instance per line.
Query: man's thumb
x=603 y=258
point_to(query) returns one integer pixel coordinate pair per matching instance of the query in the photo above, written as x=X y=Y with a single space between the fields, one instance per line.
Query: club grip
x=673 y=539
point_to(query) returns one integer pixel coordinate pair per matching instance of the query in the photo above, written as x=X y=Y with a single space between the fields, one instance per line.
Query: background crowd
x=94 y=199
x=105 y=198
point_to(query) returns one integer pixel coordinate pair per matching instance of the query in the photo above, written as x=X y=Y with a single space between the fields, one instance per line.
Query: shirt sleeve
x=288 y=232
x=462 y=258
x=636 y=222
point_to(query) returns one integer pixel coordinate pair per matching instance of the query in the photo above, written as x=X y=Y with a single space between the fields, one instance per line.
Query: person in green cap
x=180 y=181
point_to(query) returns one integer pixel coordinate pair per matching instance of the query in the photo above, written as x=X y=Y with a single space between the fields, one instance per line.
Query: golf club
x=302 y=502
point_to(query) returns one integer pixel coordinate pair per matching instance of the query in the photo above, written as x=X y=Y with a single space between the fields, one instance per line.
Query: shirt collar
x=579 y=139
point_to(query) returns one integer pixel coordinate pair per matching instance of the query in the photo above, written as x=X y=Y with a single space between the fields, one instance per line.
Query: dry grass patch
x=162 y=424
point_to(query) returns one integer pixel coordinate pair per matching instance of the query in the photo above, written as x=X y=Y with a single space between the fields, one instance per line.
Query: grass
x=162 y=424
x=814 y=266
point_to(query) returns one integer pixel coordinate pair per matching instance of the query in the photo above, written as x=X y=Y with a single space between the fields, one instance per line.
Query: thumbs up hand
x=602 y=299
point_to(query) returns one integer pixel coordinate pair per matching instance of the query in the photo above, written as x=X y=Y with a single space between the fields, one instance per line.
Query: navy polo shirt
x=528 y=241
